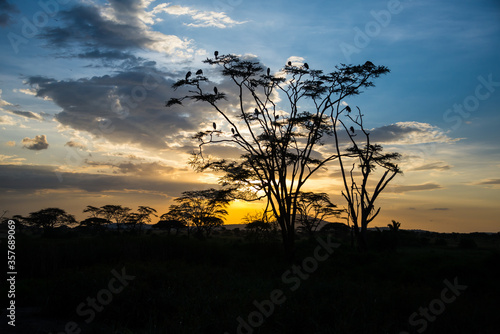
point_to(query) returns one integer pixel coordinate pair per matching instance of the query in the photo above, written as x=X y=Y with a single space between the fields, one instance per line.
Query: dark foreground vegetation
x=68 y=282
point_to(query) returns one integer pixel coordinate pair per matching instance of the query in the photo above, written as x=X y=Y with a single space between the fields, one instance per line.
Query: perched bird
x=306 y=65
x=232 y=130
x=188 y=74
x=256 y=111
x=289 y=63
x=352 y=129
x=199 y=72
x=348 y=108
x=216 y=91
x=268 y=71
x=214 y=125
x=216 y=53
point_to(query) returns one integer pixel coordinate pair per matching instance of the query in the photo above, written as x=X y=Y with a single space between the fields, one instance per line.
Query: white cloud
x=202 y=19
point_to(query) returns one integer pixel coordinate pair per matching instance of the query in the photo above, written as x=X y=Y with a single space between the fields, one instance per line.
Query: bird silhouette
x=369 y=63
x=306 y=65
x=199 y=72
x=188 y=74
x=348 y=108
x=214 y=125
x=289 y=63
x=256 y=111
x=268 y=71
x=216 y=91
x=216 y=53
x=232 y=130
x=352 y=129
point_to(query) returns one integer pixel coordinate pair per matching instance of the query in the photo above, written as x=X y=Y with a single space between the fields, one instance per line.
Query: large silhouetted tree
x=201 y=209
x=362 y=189
x=278 y=121
x=115 y=213
x=50 y=218
x=314 y=208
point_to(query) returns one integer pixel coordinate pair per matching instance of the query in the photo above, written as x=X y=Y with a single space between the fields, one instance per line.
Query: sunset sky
x=83 y=86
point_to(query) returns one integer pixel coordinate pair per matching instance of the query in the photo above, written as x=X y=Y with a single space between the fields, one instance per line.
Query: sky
x=83 y=86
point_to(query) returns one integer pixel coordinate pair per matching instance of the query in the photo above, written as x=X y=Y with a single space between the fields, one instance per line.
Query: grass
x=190 y=286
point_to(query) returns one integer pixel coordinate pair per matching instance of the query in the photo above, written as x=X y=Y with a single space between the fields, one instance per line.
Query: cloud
x=7 y=120
x=127 y=107
x=410 y=133
x=38 y=143
x=439 y=209
x=418 y=187
x=10 y=143
x=27 y=114
x=34 y=178
x=121 y=25
x=76 y=145
x=488 y=182
x=6 y=10
x=441 y=166
x=202 y=19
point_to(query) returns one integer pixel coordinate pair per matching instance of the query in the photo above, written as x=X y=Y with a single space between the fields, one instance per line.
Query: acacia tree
x=115 y=213
x=50 y=218
x=201 y=209
x=361 y=191
x=278 y=121
x=313 y=208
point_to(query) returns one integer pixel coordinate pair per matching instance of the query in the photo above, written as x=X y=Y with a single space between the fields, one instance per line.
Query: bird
x=306 y=65
x=214 y=125
x=188 y=74
x=268 y=71
x=348 y=108
x=369 y=63
x=199 y=72
x=256 y=111
x=352 y=129
x=216 y=53
x=289 y=63
x=216 y=91
x=232 y=130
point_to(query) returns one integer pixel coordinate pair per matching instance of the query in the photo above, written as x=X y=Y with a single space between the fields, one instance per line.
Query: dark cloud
x=128 y=107
x=409 y=133
x=27 y=114
x=129 y=167
x=489 y=182
x=433 y=166
x=6 y=9
x=75 y=144
x=418 y=187
x=124 y=25
x=38 y=143
x=30 y=179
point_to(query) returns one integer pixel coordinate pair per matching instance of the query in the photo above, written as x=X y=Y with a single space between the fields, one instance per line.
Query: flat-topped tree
x=278 y=121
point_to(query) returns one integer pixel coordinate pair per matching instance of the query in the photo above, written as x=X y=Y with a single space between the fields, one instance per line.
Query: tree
x=260 y=226
x=145 y=213
x=169 y=224
x=94 y=212
x=313 y=208
x=115 y=213
x=202 y=209
x=278 y=122
x=360 y=191
x=50 y=218
x=94 y=223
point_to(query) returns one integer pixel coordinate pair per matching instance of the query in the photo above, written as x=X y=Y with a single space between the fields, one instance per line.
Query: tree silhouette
x=201 y=209
x=50 y=218
x=278 y=122
x=358 y=191
x=313 y=208
x=115 y=213
x=168 y=224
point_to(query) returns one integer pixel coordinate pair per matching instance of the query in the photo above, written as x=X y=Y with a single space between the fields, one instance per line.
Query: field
x=159 y=283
